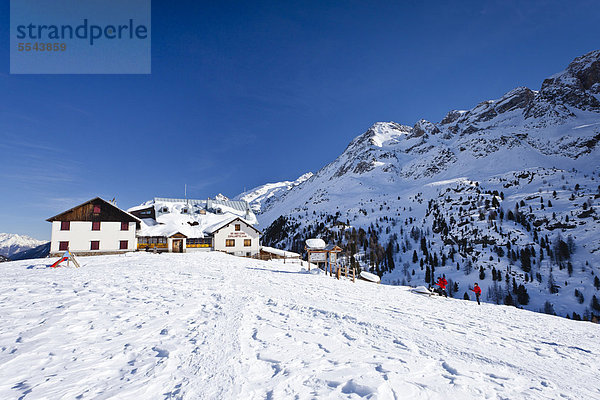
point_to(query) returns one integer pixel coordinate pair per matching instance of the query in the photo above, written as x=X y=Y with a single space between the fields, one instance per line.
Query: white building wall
x=197 y=249
x=81 y=234
x=239 y=249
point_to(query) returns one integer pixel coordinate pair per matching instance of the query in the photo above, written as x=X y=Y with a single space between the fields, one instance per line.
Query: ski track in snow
x=212 y=326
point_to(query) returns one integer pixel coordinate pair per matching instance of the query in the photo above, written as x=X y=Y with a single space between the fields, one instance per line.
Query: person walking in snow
x=477 y=291
x=442 y=283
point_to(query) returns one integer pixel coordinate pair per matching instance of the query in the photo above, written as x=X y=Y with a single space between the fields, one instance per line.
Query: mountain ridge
x=12 y=243
x=394 y=180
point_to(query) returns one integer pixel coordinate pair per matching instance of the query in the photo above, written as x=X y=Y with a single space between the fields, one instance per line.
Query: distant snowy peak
x=260 y=197
x=11 y=243
x=221 y=197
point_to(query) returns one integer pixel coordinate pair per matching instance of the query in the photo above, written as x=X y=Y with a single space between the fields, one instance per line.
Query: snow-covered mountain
x=214 y=326
x=11 y=243
x=505 y=193
x=262 y=197
x=40 y=251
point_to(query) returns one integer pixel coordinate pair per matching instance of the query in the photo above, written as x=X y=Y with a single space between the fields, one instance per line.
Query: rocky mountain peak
x=577 y=87
x=381 y=134
x=586 y=71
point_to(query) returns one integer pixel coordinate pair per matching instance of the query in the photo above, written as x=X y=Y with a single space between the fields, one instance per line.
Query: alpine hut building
x=188 y=225
x=94 y=227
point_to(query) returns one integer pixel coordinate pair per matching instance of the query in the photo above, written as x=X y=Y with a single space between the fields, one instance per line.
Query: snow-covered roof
x=238 y=205
x=279 y=252
x=184 y=216
x=315 y=244
x=191 y=226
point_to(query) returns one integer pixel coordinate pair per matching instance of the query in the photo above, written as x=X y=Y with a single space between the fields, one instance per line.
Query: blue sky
x=244 y=93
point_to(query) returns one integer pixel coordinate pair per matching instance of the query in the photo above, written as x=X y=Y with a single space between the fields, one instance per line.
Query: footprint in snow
x=160 y=352
x=449 y=369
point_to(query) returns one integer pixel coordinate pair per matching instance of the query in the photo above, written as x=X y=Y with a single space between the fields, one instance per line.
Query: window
x=123 y=245
x=229 y=242
x=238 y=227
x=65 y=225
x=63 y=246
x=97 y=209
x=124 y=226
x=247 y=242
x=248 y=254
x=96 y=226
x=95 y=245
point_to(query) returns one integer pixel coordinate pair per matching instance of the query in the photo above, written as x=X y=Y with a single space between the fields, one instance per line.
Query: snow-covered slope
x=11 y=243
x=453 y=183
x=260 y=198
x=213 y=326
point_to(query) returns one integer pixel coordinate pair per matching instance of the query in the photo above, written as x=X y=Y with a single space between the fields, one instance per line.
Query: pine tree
x=552 y=286
x=595 y=304
x=522 y=295
x=548 y=308
x=579 y=296
x=468 y=267
x=526 y=259
x=390 y=257
x=424 y=245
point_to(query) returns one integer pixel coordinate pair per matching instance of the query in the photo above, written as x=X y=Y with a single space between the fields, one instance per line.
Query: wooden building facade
x=94 y=227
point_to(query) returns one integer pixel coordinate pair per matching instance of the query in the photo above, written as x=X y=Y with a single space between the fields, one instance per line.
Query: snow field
x=209 y=325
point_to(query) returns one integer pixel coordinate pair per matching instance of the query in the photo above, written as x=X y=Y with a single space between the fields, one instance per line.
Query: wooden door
x=178 y=246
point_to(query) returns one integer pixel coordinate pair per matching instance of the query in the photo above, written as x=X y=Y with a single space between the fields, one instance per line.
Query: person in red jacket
x=442 y=283
x=477 y=291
